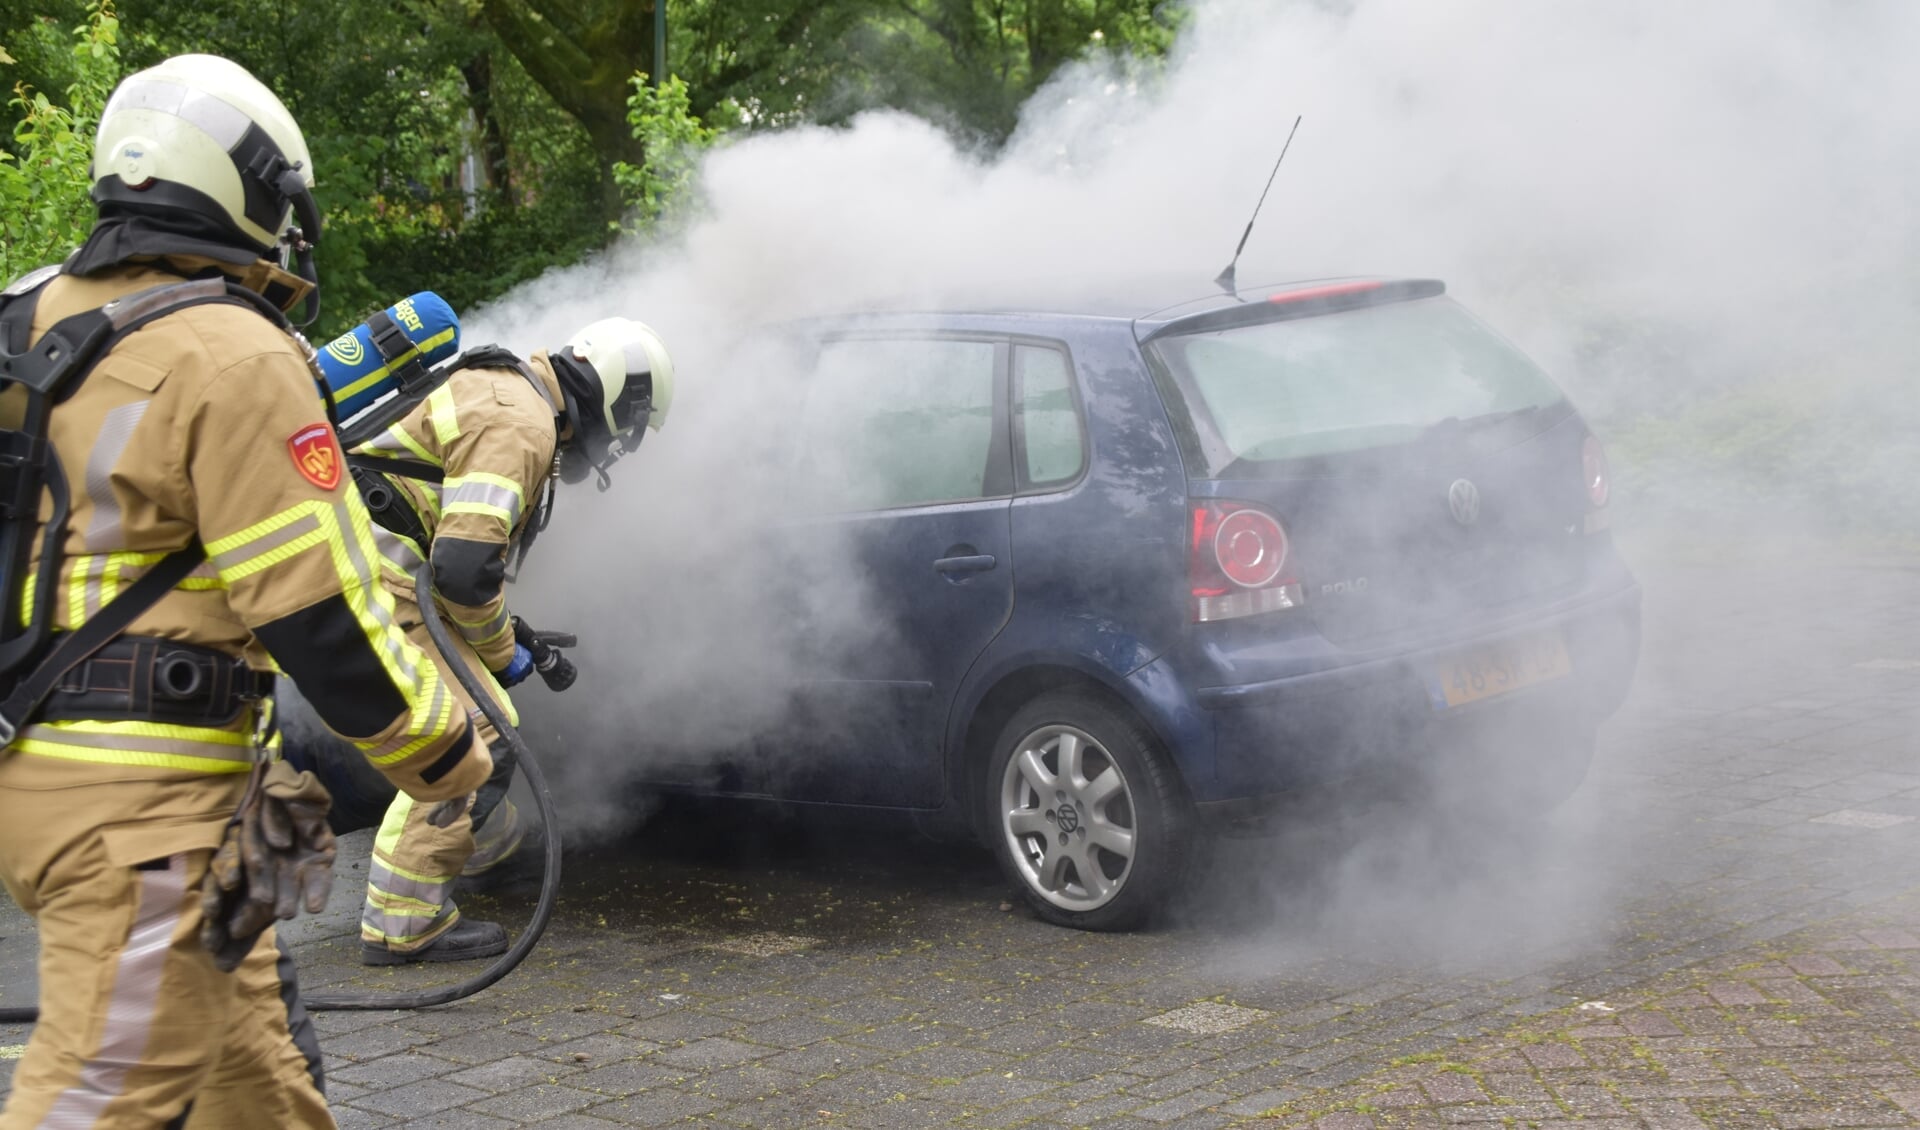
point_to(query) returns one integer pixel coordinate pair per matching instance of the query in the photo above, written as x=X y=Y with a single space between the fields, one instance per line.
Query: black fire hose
x=549 y=879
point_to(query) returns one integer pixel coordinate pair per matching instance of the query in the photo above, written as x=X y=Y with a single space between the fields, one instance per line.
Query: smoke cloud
x=1700 y=217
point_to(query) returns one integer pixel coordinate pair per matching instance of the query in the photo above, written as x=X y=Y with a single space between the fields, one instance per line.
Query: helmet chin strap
x=302 y=237
x=303 y=259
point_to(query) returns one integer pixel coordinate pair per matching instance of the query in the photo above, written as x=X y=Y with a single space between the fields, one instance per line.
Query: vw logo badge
x=1463 y=502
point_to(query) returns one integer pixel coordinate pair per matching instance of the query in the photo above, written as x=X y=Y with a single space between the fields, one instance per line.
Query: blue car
x=1129 y=576
x=1091 y=586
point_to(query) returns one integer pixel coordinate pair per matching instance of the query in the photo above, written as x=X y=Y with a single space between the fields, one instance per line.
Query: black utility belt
x=139 y=678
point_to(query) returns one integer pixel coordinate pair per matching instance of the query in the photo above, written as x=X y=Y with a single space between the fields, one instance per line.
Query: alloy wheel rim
x=1067 y=813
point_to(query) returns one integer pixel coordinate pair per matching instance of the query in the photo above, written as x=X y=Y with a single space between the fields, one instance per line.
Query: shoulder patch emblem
x=316 y=455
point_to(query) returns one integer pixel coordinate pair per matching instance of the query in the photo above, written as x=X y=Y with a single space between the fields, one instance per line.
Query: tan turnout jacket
x=492 y=432
x=207 y=422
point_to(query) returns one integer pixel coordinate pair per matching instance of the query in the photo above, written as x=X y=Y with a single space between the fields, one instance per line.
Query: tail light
x=1237 y=562
x=1597 y=480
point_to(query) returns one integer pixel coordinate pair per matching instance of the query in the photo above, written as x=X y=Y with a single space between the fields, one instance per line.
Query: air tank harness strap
x=76 y=647
x=399 y=352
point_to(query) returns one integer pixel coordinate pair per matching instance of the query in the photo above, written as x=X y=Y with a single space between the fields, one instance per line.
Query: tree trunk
x=583 y=54
x=493 y=140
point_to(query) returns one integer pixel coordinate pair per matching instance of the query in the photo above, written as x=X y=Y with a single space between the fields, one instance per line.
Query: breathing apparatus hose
x=549 y=879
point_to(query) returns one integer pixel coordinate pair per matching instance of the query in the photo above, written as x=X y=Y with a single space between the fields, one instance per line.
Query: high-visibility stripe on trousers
x=410 y=880
x=138 y=1028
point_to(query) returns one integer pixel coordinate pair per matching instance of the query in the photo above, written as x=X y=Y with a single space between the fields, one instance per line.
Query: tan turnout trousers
x=154 y=1035
x=411 y=874
x=203 y=423
x=492 y=433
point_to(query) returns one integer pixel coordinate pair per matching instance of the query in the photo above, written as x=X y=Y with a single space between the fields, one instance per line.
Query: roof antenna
x=1226 y=281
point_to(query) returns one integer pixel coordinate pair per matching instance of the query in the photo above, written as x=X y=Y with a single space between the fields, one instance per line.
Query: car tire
x=1103 y=844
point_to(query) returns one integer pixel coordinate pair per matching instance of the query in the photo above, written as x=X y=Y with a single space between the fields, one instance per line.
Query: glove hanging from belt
x=277 y=856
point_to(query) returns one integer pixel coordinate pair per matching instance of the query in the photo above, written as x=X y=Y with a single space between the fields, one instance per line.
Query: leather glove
x=517 y=670
x=276 y=857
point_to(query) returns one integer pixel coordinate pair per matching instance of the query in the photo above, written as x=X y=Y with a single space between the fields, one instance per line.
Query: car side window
x=890 y=423
x=1044 y=407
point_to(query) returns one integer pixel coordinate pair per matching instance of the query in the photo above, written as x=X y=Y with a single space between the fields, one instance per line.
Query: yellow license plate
x=1497 y=669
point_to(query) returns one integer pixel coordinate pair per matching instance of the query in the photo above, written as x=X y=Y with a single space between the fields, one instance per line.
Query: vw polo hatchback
x=1126 y=577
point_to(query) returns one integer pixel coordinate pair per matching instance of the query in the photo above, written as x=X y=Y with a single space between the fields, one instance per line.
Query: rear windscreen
x=1345 y=382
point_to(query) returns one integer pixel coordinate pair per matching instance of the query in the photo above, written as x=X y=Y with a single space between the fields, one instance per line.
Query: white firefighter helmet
x=198 y=134
x=630 y=369
x=617 y=377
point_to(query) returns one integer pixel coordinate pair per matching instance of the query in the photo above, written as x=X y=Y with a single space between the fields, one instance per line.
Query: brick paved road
x=1728 y=882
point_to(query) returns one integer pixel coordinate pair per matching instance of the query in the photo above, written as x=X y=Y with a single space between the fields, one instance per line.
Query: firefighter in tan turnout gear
x=466 y=478
x=197 y=438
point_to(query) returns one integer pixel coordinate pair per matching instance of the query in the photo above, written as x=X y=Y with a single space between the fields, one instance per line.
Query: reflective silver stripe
x=266 y=543
x=388 y=881
x=403 y=928
x=131 y=1003
x=115 y=432
x=125 y=311
x=386 y=441
x=129 y=743
x=224 y=123
x=407 y=738
x=96 y=574
x=485 y=494
x=484 y=631
x=396 y=549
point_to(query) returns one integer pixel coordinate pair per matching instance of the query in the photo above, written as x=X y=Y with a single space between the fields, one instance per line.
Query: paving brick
x=531 y=1103
x=511 y=1073
x=418 y=1099
x=712 y=1052
x=1448 y=1087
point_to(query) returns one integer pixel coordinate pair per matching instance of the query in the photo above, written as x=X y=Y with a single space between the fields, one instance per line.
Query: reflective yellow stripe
x=391 y=905
x=401 y=436
x=161 y=731
x=145 y=745
x=266 y=544
x=397 y=888
x=413 y=740
x=346 y=529
x=482 y=508
x=387 y=841
x=385 y=932
x=429 y=493
x=482 y=632
x=490 y=479
x=446 y=421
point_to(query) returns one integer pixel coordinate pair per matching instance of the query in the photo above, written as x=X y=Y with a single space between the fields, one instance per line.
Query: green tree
x=44 y=177
x=657 y=191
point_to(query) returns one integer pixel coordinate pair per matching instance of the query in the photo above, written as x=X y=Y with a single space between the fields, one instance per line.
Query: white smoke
x=1676 y=207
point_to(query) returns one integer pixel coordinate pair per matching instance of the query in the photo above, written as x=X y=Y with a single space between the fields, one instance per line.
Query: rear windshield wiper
x=1454 y=424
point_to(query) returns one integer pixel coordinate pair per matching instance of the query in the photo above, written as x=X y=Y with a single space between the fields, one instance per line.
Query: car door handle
x=972 y=563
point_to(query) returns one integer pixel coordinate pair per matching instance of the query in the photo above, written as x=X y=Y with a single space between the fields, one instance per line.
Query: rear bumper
x=1312 y=729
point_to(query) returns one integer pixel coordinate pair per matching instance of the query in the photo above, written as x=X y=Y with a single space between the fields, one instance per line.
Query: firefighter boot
x=468 y=940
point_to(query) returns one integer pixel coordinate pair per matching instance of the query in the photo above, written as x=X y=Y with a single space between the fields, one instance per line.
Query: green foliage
x=658 y=191
x=44 y=177
x=468 y=145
